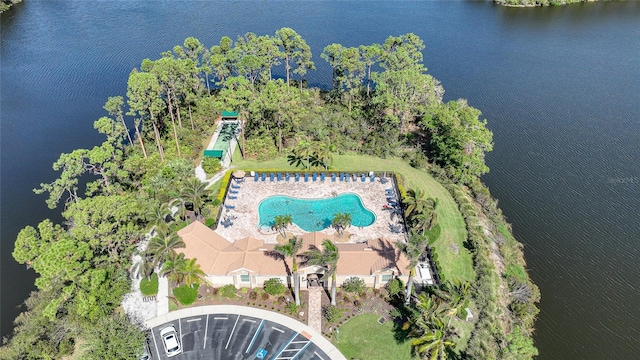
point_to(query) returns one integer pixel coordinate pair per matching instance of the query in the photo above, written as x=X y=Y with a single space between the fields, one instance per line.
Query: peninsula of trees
x=533 y=3
x=6 y=4
x=382 y=103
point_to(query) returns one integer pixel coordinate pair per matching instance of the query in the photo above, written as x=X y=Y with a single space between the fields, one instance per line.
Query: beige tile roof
x=202 y=244
x=218 y=256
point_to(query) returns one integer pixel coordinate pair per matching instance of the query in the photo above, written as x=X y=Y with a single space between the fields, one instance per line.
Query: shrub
x=395 y=313
x=291 y=308
x=228 y=291
x=517 y=272
x=265 y=296
x=186 y=295
x=210 y=165
x=395 y=287
x=354 y=285
x=210 y=222
x=149 y=287
x=223 y=187
x=253 y=295
x=274 y=286
x=332 y=313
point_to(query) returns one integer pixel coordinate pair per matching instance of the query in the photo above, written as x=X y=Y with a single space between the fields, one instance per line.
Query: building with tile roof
x=249 y=262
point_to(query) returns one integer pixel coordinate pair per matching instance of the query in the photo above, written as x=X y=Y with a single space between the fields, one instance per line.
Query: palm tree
x=194 y=192
x=430 y=308
x=341 y=221
x=327 y=258
x=325 y=154
x=434 y=340
x=428 y=218
x=305 y=150
x=192 y=273
x=414 y=202
x=173 y=268
x=143 y=267
x=281 y=222
x=413 y=250
x=157 y=216
x=290 y=250
x=456 y=294
x=294 y=158
x=162 y=246
x=181 y=204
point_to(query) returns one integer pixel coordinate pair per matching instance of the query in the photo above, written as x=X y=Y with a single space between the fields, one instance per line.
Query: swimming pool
x=314 y=214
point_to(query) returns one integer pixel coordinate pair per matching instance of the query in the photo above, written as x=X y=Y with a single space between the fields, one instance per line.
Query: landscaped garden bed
x=257 y=297
x=349 y=305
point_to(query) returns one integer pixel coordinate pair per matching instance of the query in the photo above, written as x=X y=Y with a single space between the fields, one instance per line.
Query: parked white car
x=170 y=341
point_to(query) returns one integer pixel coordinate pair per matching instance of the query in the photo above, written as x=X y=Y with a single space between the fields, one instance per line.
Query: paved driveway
x=233 y=336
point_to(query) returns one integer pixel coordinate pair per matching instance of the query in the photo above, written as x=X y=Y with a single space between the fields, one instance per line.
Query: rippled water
x=559 y=86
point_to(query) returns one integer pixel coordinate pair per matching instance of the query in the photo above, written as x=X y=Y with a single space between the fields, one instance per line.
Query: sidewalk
x=315 y=308
x=162 y=299
x=284 y=320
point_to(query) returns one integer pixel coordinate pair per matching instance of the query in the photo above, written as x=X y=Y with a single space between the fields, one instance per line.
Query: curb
x=292 y=324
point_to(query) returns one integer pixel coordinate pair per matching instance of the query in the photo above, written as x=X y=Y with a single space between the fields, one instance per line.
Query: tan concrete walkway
x=162 y=299
x=314 y=318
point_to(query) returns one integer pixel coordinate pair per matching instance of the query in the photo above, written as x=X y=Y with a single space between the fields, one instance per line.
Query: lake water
x=560 y=88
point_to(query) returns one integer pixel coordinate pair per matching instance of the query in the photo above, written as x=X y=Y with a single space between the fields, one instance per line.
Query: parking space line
x=254 y=337
x=232 y=330
x=301 y=350
x=198 y=319
x=155 y=343
x=284 y=347
x=220 y=318
x=206 y=328
x=180 y=325
x=249 y=320
x=275 y=328
x=318 y=355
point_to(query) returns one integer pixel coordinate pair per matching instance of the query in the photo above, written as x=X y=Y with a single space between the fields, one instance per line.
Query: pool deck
x=251 y=193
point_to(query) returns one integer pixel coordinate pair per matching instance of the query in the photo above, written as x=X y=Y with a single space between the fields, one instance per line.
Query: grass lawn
x=149 y=287
x=363 y=337
x=456 y=261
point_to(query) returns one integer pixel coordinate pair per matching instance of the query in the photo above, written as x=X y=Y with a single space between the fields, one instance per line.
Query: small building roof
x=229 y=114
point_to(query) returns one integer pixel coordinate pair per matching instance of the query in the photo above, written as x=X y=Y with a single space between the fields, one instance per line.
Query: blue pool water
x=314 y=214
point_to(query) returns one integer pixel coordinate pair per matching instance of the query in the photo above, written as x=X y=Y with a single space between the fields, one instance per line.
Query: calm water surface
x=560 y=88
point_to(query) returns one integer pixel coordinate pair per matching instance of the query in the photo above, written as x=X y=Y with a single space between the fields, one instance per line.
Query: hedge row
x=489 y=340
x=488 y=336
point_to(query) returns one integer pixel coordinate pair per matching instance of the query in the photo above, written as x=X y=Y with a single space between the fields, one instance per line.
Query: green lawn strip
x=185 y=294
x=363 y=337
x=149 y=287
x=452 y=224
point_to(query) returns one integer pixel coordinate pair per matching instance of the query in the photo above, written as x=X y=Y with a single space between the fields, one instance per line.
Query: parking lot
x=232 y=336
